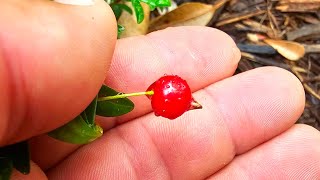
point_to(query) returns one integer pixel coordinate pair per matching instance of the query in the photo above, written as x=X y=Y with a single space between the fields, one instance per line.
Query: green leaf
x=118 y=8
x=152 y=4
x=163 y=3
x=138 y=10
x=19 y=155
x=77 y=131
x=125 y=7
x=115 y=107
x=157 y=3
x=6 y=167
x=89 y=113
x=120 y=30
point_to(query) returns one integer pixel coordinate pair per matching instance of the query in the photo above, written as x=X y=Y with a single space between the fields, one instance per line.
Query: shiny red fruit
x=172 y=97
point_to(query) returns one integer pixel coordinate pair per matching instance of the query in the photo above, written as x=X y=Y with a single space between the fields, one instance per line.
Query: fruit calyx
x=195 y=105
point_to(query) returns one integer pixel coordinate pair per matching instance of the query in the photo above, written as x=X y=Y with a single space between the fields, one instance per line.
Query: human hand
x=245 y=128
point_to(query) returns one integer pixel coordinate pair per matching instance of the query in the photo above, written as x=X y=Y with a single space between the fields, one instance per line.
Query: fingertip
x=289 y=86
x=306 y=132
x=57 y=73
x=259 y=104
x=281 y=88
x=285 y=96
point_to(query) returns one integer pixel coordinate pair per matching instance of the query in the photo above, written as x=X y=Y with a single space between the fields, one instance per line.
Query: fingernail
x=76 y=2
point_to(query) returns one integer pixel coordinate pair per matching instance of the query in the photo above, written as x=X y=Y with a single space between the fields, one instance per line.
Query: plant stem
x=119 y=96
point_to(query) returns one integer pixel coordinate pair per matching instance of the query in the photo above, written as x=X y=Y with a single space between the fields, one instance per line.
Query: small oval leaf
x=115 y=107
x=89 y=113
x=116 y=10
x=125 y=7
x=77 y=131
x=138 y=10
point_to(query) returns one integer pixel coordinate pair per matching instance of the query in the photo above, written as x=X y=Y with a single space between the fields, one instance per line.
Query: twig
x=311 y=79
x=268 y=62
x=304 y=31
x=305 y=85
x=239 y=17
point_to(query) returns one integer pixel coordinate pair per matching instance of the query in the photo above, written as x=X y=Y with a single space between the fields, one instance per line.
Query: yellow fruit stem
x=119 y=96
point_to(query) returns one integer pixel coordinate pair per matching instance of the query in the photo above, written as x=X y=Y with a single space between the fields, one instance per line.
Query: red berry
x=172 y=97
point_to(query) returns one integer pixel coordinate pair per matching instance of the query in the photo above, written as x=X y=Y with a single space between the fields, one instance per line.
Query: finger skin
x=56 y=57
x=4 y=108
x=132 y=71
x=292 y=155
x=199 y=143
x=47 y=152
x=275 y=95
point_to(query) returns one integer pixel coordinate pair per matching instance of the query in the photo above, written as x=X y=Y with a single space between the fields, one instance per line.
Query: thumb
x=53 y=60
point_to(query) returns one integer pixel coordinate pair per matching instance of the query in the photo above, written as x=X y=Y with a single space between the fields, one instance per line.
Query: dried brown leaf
x=187 y=14
x=291 y=50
